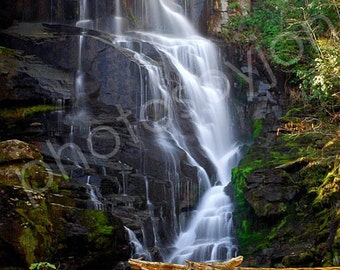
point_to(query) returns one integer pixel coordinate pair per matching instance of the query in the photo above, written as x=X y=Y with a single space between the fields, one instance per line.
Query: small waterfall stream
x=92 y=192
x=118 y=18
x=139 y=250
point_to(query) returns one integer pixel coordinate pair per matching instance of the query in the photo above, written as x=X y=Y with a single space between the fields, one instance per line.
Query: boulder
x=15 y=150
x=43 y=218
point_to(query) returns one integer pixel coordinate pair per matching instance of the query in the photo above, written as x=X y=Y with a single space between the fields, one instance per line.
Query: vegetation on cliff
x=288 y=185
x=300 y=38
x=42 y=222
x=287 y=195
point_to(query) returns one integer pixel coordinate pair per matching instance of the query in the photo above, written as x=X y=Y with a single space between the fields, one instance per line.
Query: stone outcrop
x=119 y=180
x=286 y=193
x=269 y=192
x=16 y=150
x=42 y=221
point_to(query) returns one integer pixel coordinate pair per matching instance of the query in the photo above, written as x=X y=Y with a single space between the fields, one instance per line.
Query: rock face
x=116 y=172
x=16 y=150
x=268 y=192
x=286 y=193
x=41 y=221
x=121 y=173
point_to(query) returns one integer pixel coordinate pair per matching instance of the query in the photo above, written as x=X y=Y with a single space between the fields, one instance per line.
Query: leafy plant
x=42 y=266
x=258 y=127
x=301 y=39
x=5 y=51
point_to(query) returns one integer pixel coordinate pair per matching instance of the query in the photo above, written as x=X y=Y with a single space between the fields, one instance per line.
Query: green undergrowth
x=21 y=113
x=37 y=237
x=42 y=266
x=100 y=231
x=4 y=51
x=306 y=150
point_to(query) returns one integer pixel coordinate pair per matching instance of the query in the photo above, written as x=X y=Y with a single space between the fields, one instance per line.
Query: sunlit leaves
x=301 y=38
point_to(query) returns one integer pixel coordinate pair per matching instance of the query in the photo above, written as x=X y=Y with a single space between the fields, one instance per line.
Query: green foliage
x=247 y=237
x=20 y=113
x=42 y=266
x=258 y=127
x=300 y=38
x=100 y=230
x=321 y=79
x=5 y=51
x=233 y=5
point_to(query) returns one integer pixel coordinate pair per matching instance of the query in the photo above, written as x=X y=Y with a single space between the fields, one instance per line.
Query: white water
x=139 y=250
x=85 y=23
x=92 y=192
x=204 y=95
x=118 y=19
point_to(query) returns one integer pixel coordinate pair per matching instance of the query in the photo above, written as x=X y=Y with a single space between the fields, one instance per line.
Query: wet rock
x=43 y=218
x=15 y=150
x=269 y=192
x=26 y=78
x=229 y=190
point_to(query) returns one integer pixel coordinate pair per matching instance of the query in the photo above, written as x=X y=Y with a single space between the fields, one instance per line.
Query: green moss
x=277 y=158
x=258 y=127
x=28 y=244
x=36 y=239
x=248 y=238
x=98 y=225
x=329 y=191
x=20 y=113
x=6 y=51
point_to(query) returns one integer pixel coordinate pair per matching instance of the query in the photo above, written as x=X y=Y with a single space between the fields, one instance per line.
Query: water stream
x=139 y=251
x=92 y=192
x=118 y=18
x=204 y=94
x=199 y=103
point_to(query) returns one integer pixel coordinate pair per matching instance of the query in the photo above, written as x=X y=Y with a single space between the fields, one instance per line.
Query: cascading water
x=139 y=250
x=118 y=18
x=85 y=23
x=204 y=92
x=92 y=192
x=191 y=118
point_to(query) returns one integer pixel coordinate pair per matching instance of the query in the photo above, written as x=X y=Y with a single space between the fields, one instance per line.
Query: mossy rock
x=14 y=150
x=300 y=259
x=44 y=231
x=42 y=220
x=297 y=221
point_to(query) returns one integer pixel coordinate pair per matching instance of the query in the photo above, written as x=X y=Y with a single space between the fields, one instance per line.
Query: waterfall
x=203 y=96
x=118 y=19
x=85 y=23
x=92 y=192
x=139 y=250
x=188 y=118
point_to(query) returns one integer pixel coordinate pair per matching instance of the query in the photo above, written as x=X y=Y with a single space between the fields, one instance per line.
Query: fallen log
x=298 y=268
x=144 y=265
x=232 y=264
